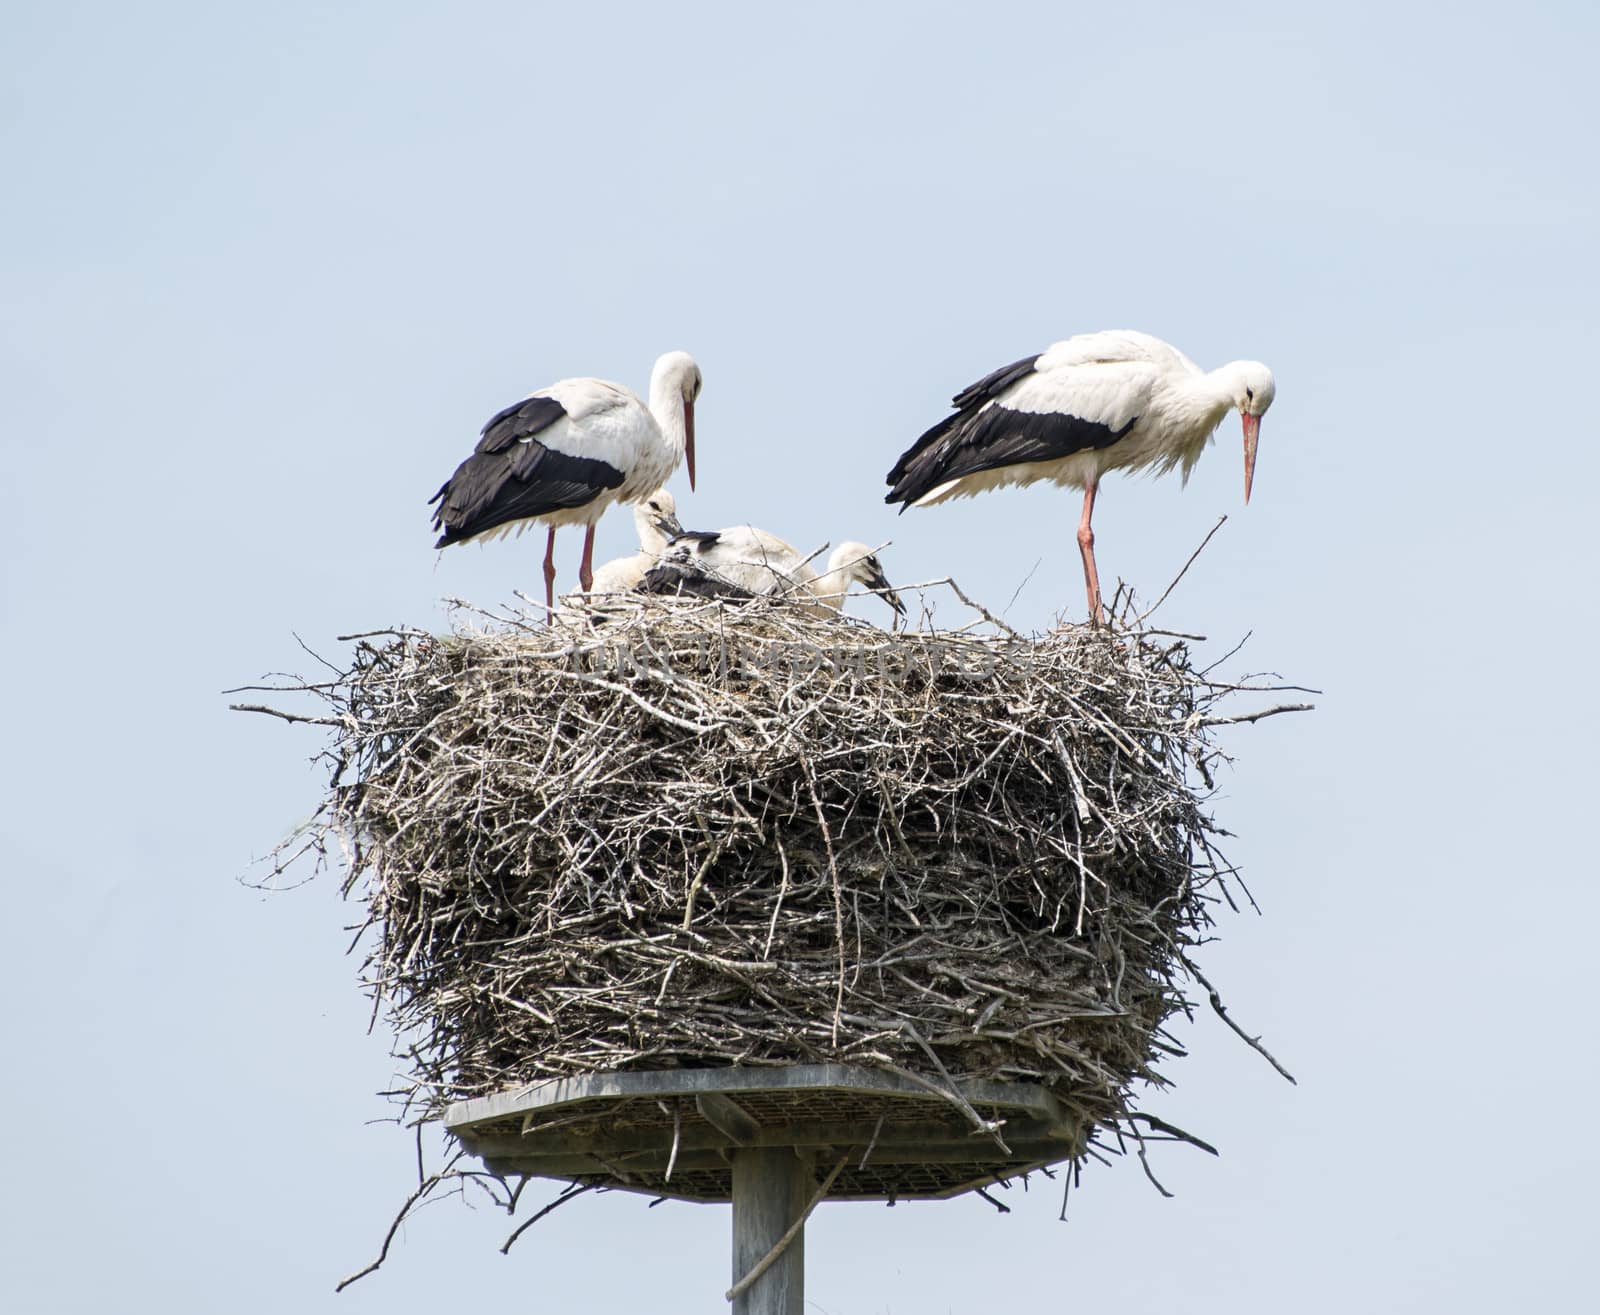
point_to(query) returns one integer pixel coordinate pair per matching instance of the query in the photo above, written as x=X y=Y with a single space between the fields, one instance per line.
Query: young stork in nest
x=564 y=454
x=656 y=519
x=1119 y=400
x=742 y=562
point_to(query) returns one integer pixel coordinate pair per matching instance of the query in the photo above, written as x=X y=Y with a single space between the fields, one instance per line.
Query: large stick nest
x=682 y=834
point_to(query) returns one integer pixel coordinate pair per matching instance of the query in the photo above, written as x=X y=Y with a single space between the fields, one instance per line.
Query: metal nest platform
x=676 y=1132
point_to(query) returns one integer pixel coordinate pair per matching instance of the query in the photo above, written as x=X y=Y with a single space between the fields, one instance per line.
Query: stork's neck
x=829 y=588
x=1219 y=390
x=1192 y=405
x=651 y=538
x=666 y=406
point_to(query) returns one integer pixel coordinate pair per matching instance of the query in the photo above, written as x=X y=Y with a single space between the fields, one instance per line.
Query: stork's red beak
x=688 y=440
x=1252 y=431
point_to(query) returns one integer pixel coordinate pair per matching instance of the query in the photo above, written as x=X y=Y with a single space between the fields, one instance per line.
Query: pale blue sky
x=266 y=269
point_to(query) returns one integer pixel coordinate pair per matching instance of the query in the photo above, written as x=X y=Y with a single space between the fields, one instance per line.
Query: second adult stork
x=567 y=452
x=1118 y=400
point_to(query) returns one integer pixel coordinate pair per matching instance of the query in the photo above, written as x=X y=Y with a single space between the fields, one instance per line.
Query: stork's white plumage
x=656 y=519
x=852 y=563
x=748 y=558
x=567 y=452
x=750 y=561
x=1097 y=402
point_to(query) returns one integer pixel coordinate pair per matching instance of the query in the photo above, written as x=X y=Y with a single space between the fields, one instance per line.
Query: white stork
x=1118 y=400
x=656 y=519
x=852 y=563
x=567 y=452
x=742 y=561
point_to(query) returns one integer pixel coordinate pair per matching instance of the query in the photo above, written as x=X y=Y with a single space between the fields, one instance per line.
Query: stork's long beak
x=1252 y=431
x=669 y=525
x=879 y=581
x=688 y=440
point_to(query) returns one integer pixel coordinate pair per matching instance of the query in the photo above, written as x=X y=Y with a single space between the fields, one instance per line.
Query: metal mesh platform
x=673 y=1132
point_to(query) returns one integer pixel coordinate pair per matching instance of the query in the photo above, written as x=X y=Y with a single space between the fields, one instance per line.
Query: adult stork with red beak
x=564 y=454
x=1097 y=402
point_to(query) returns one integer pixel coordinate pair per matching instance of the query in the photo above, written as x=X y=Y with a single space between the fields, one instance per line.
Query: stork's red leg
x=586 y=568
x=550 y=571
x=1091 y=576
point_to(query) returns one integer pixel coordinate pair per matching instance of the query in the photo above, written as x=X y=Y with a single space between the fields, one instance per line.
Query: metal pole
x=771 y=1188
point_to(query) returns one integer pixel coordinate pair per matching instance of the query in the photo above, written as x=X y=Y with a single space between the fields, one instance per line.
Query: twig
x=983 y=611
x=1015 y=593
x=575 y=1190
x=950 y=1091
x=1256 y=716
x=677 y=1131
x=1254 y=1042
x=872 y=1142
x=1146 y=614
x=1144 y=1162
x=793 y=1231
x=713 y=851
x=286 y=716
x=838 y=901
x=315 y=656
x=1001 y=1206
x=1172 y=1130
x=423 y=1188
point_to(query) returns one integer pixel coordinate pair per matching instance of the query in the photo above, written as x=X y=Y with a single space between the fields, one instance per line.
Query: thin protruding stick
x=977 y=607
x=793 y=1231
x=423 y=1188
x=286 y=716
x=1256 y=716
x=1143 y=616
x=1254 y=1042
x=838 y=903
x=574 y=1191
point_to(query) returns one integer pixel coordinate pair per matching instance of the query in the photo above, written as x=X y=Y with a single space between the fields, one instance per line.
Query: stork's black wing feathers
x=995 y=383
x=985 y=434
x=672 y=575
x=968 y=399
x=520 y=420
x=494 y=488
x=992 y=437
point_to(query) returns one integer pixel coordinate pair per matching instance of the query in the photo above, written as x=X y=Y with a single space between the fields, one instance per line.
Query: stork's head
x=1253 y=389
x=855 y=563
x=657 y=520
x=676 y=381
